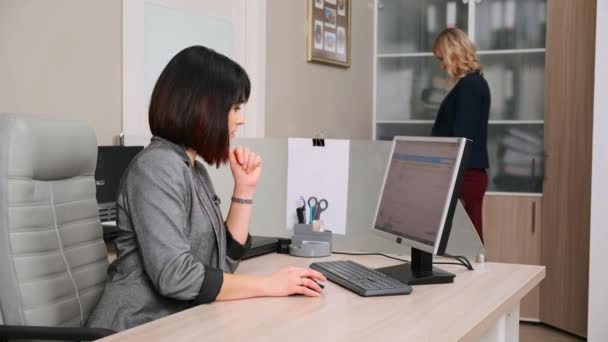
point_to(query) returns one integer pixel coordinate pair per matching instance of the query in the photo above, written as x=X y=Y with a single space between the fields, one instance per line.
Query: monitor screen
x=112 y=161
x=418 y=188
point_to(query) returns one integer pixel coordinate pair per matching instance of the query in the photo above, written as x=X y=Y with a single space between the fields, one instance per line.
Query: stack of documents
x=520 y=160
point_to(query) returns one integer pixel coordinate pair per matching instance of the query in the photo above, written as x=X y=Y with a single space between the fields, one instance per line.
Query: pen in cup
x=300 y=214
x=301 y=211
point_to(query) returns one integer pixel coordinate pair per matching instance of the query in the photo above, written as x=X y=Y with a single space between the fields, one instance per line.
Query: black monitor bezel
x=440 y=244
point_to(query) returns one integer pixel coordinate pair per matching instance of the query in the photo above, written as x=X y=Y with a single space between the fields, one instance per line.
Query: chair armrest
x=52 y=333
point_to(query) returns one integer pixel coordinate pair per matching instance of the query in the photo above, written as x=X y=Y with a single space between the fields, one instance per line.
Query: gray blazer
x=173 y=246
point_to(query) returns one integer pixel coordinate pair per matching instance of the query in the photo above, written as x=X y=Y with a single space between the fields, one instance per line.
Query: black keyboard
x=362 y=280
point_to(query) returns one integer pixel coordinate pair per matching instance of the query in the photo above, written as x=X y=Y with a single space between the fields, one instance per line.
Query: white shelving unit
x=409 y=85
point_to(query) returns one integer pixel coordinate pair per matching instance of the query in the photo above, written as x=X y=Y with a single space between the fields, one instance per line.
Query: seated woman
x=174 y=248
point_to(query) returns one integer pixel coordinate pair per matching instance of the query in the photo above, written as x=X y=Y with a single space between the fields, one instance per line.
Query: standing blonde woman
x=464 y=113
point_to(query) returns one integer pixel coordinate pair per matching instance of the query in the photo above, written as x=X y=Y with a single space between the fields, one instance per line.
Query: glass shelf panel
x=516 y=153
x=516 y=158
x=411 y=26
x=388 y=131
x=517 y=83
x=412 y=88
x=409 y=88
x=510 y=24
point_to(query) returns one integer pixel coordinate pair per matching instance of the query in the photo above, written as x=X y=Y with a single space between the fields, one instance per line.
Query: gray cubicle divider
x=367 y=163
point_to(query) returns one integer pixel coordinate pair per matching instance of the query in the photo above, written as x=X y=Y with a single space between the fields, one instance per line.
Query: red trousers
x=472 y=190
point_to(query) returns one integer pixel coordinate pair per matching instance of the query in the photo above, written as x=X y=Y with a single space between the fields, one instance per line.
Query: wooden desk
x=481 y=305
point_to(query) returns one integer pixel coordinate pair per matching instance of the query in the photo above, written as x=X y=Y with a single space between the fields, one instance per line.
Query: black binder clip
x=318 y=140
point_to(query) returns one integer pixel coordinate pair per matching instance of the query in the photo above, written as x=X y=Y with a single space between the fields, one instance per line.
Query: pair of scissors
x=316 y=207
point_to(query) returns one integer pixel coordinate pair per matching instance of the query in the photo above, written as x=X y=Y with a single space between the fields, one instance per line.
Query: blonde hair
x=457 y=51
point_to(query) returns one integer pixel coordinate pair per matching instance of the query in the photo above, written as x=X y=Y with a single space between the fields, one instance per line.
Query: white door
x=155 y=30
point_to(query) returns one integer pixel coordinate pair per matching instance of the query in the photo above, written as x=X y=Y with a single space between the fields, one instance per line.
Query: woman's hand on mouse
x=246 y=167
x=293 y=280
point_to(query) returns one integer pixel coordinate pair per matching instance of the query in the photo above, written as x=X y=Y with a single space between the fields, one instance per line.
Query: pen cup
x=308 y=243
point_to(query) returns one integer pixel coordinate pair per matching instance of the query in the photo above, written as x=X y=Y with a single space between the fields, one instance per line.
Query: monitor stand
x=419 y=271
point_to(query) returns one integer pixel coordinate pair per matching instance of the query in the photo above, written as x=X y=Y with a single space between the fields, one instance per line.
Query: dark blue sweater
x=464 y=113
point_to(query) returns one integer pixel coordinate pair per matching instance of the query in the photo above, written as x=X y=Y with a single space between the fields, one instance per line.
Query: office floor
x=531 y=332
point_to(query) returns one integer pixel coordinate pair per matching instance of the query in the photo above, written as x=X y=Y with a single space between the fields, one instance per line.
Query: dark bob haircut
x=192 y=98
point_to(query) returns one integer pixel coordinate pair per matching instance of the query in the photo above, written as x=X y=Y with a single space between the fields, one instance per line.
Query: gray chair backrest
x=52 y=255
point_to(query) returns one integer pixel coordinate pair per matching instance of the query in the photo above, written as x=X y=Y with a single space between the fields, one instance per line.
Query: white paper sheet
x=320 y=171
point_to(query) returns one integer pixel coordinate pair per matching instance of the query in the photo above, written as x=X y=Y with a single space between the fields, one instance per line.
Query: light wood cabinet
x=512 y=233
x=568 y=142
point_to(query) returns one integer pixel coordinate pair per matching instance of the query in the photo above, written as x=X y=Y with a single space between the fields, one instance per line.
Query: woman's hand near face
x=246 y=169
x=293 y=280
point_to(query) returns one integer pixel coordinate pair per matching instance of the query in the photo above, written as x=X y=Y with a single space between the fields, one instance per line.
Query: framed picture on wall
x=328 y=32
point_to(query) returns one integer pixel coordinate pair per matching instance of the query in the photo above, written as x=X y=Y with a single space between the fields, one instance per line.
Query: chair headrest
x=47 y=148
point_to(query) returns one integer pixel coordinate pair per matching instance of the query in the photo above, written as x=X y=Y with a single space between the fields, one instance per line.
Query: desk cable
x=380 y=254
x=462 y=260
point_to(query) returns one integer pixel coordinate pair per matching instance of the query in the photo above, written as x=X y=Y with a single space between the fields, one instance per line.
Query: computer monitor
x=417 y=202
x=112 y=161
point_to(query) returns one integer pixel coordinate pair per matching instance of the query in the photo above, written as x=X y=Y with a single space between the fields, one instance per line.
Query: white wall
x=63 y=58
x=240 y=34
x=304 y=98
x=598 y=261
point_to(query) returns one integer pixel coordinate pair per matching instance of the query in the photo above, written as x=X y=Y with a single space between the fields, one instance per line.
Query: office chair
x=52 y=256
